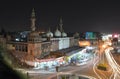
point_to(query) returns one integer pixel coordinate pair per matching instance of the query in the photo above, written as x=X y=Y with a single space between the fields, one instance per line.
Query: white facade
x=64 y=43
x=106 y=37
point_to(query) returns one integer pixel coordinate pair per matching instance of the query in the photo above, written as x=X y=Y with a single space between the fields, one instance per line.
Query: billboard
x=90 y=35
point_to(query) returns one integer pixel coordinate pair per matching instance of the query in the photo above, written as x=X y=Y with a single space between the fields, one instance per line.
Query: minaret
x=61 y=24
x=33 y=20
x=49 y=30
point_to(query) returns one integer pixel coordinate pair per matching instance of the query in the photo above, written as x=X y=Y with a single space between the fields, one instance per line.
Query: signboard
x=90 y=35
x=84 y=43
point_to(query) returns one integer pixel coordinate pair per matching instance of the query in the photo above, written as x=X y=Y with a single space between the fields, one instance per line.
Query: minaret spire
x=49 y=29
x=61 y=24
x=33 y=19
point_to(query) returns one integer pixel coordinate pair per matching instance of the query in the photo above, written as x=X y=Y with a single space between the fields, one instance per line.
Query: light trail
x=113 y=64
x=96 y=72
x=94 y=67
x=111 y=77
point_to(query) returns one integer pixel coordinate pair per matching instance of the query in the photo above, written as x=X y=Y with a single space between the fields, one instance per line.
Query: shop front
x=49 y=63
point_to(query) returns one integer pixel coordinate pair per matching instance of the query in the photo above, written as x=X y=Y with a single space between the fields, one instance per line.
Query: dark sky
x=85 y=15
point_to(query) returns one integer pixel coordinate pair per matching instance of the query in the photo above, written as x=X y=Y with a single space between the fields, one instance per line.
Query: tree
x=7 y=72
x=98 y=35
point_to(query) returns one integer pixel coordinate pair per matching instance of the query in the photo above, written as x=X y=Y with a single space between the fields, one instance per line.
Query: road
x=88 y=69
x=115 y=67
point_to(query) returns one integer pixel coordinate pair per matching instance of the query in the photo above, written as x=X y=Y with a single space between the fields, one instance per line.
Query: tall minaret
x=33 y=20
x=61 y=24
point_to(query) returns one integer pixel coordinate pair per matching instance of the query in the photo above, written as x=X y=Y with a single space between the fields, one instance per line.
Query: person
x=27 y=75
x=56 y=68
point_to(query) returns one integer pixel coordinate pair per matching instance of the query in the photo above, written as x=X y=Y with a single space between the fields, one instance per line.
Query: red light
x=115 y=36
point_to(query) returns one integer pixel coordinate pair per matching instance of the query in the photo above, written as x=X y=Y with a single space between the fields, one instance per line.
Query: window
x=26 y=49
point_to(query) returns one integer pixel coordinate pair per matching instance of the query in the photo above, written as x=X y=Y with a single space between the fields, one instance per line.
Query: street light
x=102 y=47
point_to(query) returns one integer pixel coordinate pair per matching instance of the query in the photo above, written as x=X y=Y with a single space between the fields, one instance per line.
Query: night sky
x=85 y=15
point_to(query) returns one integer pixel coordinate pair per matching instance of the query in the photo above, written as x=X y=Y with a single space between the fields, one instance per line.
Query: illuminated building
x=59 y=39
x=115 y=38
x=91 y=37
x=34 y=45
x=31 y=44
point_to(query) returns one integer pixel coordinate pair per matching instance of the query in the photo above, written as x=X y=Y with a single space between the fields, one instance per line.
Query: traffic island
x=102 y=66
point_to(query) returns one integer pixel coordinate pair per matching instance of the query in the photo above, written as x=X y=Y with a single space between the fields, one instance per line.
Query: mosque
x=38 y=45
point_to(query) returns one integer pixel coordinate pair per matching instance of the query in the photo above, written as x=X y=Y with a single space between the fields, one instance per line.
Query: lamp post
x=101 y=50
x=102 y=64
x=103 y=47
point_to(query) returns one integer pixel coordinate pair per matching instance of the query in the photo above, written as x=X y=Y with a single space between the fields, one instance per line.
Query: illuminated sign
x=90 y=35
x=84 y=43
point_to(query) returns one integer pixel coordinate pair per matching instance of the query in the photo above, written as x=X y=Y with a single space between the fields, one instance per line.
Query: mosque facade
x=37 y=46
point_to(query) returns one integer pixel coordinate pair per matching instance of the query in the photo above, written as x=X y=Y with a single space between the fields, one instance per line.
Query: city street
x=42 y=39
x=85 y=69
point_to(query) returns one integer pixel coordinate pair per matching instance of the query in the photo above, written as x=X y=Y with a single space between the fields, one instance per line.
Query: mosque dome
x=57 y=33
x=64 y=34
x=49 y=34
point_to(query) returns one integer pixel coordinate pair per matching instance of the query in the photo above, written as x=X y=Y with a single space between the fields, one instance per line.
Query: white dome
x=57 y=33
x=64 y=34
x=49 y=34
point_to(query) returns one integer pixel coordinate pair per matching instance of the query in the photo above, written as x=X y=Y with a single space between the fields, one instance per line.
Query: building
x=33 y=44
x=59 y=39
x=2 y=41
x=90 y=38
